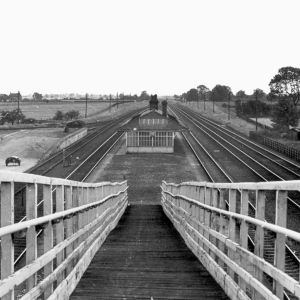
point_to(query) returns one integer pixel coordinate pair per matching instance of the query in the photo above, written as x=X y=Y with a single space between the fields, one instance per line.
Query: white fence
x=214 y=220
x=66 y=223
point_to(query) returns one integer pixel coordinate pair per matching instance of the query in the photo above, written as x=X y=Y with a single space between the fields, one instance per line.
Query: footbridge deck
x=145 y=258
x=83 y=241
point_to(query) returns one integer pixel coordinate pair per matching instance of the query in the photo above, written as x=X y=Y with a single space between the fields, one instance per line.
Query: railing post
x=68 y=224
x=7 y=246
x=85 y=213
x=48 y=234
x=207 y=216
x=214 y=220
x=244 y=235
x=31 y=238
x=194 y=210
x=222 y=223
x=80 y=215
x=59 y=227
x=232 y=229
x=75 y=217
x=280 y=220
x=201 y=212
x=197 y=213
x=259 y=234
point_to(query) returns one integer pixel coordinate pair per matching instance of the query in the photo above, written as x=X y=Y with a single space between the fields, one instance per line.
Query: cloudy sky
x=162 y=46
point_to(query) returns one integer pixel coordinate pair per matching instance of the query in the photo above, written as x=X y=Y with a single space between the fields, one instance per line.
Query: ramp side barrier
x=218 y=234
x=75 y=217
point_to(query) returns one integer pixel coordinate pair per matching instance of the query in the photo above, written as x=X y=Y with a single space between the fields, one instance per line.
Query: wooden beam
x=59 y=227
x=7 y=245
x=31 y=238
x=48 y=234
x=281 y=220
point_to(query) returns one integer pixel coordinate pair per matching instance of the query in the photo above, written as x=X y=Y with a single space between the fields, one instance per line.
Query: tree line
x=280 y=104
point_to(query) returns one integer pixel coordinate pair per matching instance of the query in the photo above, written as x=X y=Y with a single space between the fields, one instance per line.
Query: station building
x=151 y=132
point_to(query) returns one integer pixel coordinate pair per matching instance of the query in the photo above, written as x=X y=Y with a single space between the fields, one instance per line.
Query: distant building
x=37 y=97
x=151 y=132
x=4 y=97
x=15 y=97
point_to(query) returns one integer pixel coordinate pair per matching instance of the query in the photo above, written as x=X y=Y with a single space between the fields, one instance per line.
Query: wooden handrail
x=6 y=176
x=10 y=229
x=218 y=234
x=291 y=185
x=84 y=215
x=263 y=224
x=18 y=277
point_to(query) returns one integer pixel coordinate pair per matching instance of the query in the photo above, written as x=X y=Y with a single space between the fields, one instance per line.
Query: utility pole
x=109 y=103
x=117 y=100
x=213 y=100
x=18 y=107
x=229 y=96
x=86 y=99
x=204 y=99
x=256 y=98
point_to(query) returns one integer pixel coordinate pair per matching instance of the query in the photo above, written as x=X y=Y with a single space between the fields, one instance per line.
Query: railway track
x=95 y=147
x=292 y=261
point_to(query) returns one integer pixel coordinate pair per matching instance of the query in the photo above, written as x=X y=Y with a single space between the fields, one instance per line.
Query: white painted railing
x=75 y=218
x=218 y=234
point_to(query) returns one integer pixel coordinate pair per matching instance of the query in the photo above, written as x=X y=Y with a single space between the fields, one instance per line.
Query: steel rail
x=229 y=151
x=289 y=250
x=243 y=141
x=81 y=164
x=220 y=168
x=220 y=127
x=70 y=174
x=267 y=169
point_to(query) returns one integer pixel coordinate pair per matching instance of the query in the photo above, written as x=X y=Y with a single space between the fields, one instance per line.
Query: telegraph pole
x=109 y=103
x=86 y=98
x=256 y=98
x=18 y=107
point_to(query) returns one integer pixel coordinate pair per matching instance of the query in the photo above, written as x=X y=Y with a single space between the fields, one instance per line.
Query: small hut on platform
x=151 y=132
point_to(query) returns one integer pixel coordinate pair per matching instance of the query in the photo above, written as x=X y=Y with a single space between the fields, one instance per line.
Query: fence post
x=85 y=213
x=68 y=224
x=31 y=238
x=48 y=234
x=207 y=216
x=232 y=229
x=280 y=220
x=244 y=234
x=222 y=228
x=7 y=246
x=75 y=217
x=259 y=234
x=59 y=227
x=214 y=220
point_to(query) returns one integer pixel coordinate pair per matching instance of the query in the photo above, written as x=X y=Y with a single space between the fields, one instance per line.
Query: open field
x=30 y=145
x=46 y=110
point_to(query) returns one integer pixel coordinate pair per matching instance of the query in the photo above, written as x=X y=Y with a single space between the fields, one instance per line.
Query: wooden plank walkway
x=145 y=258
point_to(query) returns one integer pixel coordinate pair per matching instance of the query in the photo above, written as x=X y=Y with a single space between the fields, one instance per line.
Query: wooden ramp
x=145 y=258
